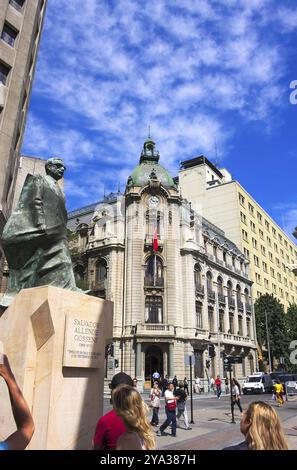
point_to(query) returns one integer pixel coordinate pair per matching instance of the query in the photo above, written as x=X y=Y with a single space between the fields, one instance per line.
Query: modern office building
x=21 y=24
x=221 y=199
x=180 y=287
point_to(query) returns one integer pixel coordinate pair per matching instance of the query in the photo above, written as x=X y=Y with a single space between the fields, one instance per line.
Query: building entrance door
x=153 y=363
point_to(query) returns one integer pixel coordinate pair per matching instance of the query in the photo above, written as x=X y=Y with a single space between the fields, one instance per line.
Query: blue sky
x=209 y=76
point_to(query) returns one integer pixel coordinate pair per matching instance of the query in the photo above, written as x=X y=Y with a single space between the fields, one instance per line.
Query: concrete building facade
x=179 y=286
x=227 y=204
x=21 y=23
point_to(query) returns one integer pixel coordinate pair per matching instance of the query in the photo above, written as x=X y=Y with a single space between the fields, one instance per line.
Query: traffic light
x=207 y=363
x=116 y=363
x=211 y=350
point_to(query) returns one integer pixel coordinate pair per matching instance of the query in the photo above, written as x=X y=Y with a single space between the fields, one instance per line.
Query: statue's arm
x=38 y=208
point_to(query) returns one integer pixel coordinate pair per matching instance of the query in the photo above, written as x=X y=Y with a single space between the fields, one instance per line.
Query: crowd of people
x=127 y=425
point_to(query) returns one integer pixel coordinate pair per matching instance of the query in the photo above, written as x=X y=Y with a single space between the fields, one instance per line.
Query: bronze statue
x=35 y=235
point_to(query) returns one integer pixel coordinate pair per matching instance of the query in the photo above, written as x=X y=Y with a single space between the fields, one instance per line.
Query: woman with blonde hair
x=262 y=429
x=129 y=405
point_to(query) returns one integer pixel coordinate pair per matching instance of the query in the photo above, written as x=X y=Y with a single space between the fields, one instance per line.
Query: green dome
x=145 y=170
x=149 y=168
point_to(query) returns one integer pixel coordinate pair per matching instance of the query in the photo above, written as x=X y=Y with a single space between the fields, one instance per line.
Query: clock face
x=154 y=201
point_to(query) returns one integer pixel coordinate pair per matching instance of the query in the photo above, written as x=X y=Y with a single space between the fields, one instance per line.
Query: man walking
x=170 y=408
x=181 y=405
x=218 y=385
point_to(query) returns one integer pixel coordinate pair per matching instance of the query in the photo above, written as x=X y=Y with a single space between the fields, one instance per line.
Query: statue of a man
x=35 y=235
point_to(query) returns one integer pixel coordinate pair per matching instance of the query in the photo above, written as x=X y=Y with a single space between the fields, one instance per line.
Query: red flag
x=155 y=243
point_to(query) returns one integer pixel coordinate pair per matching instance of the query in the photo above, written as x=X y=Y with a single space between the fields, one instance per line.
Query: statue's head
x=55 y=168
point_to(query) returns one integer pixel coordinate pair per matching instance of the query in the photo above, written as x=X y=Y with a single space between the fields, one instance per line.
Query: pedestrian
x=175 y=382
x=279 y=392
x=20 y=439
x=182 y=405
x=197 y=385
x=235 y=387
x=170 y=409
x=130 y=407
x=186 y=385
x=135 y=382
x=227 y=385
x=212 y=385
x=111 y=426
x=261 y=428
x=218 y=385
x=164 y=385
x=155 y=377
x=155 y=402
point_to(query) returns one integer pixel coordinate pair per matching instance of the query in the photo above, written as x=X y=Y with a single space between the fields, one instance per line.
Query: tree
x=278 y=338
x=291 y=327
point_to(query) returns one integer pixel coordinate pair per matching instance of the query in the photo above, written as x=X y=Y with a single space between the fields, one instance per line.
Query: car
x=258 y=382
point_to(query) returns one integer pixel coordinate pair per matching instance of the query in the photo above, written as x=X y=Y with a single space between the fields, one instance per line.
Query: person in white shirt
x=197 y=385
x=170 y=408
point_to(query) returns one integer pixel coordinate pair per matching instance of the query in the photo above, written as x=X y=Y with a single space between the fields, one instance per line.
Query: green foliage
x=82 y=284
x=291 y=327
x=276 y=325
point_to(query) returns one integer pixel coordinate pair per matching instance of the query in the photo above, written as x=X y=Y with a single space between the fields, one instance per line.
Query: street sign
x=233 y=360
x=187 y=360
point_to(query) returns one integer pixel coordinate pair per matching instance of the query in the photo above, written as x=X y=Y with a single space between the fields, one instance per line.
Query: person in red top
x=218 y=385
x=110 y=427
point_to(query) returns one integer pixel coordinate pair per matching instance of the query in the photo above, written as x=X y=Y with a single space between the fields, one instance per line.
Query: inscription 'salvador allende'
x=86 y=331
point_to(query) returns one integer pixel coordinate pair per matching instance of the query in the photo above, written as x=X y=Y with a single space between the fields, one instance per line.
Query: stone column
x=138 y=361
x=226 y=314
x=170 y=361
x=235 y=315
x=205 y=306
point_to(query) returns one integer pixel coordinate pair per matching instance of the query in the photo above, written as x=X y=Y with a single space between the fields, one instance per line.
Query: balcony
x=220 y=261
x=199 y=289
x=231 y=338
x=222 y=299
x=151 y=281
x=231 y=302
x=154 y=329
x=239 y=305
x=248 y=307
x=211 y=294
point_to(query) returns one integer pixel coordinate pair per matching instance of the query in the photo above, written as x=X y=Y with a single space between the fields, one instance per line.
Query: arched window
x=229 y=289
x=220 y=286
x=197 y=276
x=154 y=272
x=153 y=223
x=209 y=281
x=101 y=270
x=248 y=305
x=153 y=309
x=238 y=297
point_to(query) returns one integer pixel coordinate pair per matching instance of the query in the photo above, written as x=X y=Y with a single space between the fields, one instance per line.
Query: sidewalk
x=213 y=430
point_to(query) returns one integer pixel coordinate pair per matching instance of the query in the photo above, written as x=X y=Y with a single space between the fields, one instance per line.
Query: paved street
x=213 y=429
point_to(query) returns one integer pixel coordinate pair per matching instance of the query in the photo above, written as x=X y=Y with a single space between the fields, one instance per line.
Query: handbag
x=171 y=406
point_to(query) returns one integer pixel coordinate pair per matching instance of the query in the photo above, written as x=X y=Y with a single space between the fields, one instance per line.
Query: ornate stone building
x=177 y=283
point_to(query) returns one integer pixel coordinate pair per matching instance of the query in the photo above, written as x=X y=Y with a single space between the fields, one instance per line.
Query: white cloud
x=114 y=67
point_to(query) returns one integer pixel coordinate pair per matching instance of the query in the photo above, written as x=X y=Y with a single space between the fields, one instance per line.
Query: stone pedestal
x=55 y=341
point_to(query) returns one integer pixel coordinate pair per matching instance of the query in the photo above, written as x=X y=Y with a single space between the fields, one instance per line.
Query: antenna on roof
x=149 y=131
